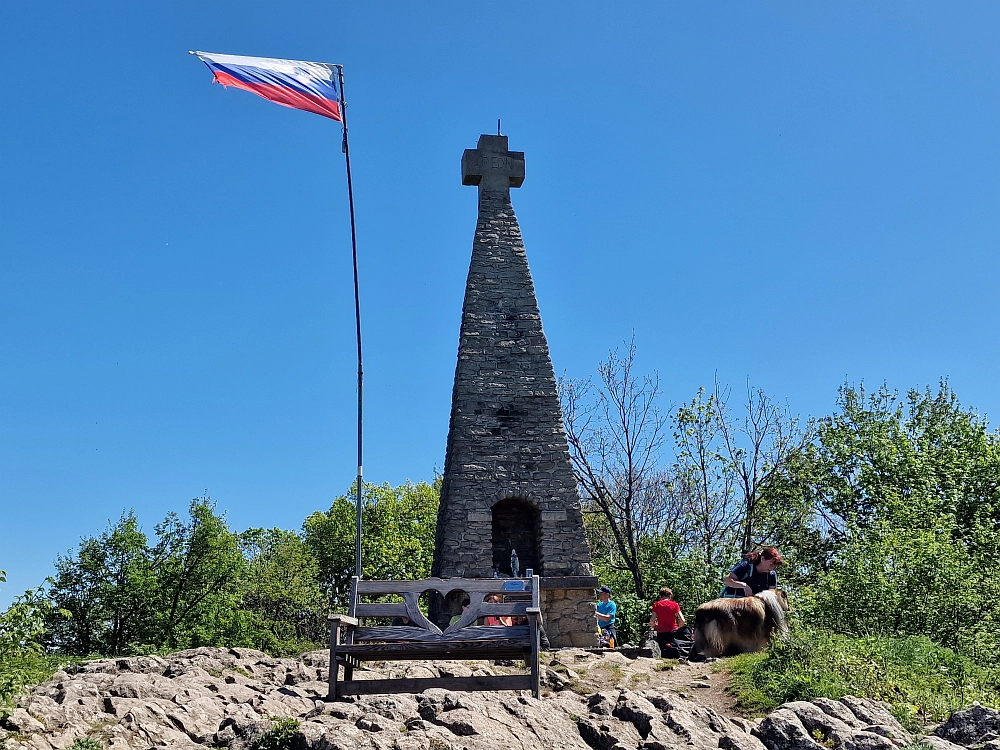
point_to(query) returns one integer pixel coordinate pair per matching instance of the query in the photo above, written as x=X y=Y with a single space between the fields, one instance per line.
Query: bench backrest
x=422 y=629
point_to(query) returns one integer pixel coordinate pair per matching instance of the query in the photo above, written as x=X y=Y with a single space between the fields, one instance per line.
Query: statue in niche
x=515 y=564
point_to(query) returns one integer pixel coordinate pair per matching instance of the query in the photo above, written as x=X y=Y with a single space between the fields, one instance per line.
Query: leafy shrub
x=22 y=660
x=279 y=736
x=86 y=743
x=919 y=678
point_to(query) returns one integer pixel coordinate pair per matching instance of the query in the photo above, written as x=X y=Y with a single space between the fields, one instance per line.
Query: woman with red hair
x=753 y=574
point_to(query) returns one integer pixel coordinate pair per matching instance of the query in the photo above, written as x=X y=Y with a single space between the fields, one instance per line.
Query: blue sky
x=797 y=194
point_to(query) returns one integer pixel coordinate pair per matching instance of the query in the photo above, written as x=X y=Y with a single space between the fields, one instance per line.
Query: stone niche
x=516 y=528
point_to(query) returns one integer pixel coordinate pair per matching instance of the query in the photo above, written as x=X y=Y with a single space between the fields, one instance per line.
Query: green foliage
x=85 y=743
x=108 y=589
x=124 y=596
x=198 y=583
x=282 y=605
x=918 y=677
x=197 y=561
x=22 y=658
x=280 y=736
x=910 y=492
x=398 y=527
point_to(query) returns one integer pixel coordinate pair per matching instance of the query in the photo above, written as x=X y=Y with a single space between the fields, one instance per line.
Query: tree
x=616 y=431
x=283 y=603
x=108 y=587
x=757 y=448
x=397 y=542
x=197 y=561
x=704 y=481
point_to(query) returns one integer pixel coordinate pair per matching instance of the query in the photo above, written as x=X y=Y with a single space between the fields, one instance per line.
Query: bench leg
x=334 y=666
x=536 y=688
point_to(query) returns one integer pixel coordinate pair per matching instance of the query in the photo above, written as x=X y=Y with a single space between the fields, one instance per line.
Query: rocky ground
x=241 y=699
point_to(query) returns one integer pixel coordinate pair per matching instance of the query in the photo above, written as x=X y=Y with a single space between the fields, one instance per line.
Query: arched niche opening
x=515 y=528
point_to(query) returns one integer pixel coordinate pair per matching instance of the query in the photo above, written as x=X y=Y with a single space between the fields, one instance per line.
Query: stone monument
x=509 y=497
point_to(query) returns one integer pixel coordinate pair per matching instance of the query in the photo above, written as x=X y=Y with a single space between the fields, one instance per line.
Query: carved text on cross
x=491 y=166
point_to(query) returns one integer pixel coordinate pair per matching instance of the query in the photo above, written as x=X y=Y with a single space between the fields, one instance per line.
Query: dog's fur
x=723 y=627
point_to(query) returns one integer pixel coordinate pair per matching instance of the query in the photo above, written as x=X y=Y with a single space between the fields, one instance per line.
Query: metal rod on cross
x=360 y=486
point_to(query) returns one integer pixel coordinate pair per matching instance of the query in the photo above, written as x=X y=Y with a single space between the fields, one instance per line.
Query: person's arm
x=652 y=620
x=732 y=583
x=681 y=622
x=603 y=617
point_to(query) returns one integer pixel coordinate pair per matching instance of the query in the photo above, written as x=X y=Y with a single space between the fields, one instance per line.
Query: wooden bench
x=351 y=644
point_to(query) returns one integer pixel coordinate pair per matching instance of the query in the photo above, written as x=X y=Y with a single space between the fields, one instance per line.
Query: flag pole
x=360 y=487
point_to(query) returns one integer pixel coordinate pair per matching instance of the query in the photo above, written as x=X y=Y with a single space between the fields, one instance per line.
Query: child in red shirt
x=669 y=622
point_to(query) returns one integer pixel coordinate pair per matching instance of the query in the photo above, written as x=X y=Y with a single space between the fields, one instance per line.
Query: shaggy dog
x=723 y=627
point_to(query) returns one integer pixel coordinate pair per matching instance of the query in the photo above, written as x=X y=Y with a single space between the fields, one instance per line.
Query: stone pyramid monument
x=509 y=501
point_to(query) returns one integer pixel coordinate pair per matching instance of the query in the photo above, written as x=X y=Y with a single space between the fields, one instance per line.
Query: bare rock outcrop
x=238 y=698
x=976 y=726
x=242 y=699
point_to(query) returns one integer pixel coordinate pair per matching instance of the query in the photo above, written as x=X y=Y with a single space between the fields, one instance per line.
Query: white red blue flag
x=313 y=87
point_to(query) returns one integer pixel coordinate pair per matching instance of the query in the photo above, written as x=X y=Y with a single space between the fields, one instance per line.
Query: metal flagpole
x=360 y=492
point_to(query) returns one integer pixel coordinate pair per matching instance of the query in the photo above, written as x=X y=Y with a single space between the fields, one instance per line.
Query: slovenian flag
x=311 y=86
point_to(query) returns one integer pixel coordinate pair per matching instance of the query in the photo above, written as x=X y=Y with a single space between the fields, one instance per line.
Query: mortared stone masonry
x=508 y=482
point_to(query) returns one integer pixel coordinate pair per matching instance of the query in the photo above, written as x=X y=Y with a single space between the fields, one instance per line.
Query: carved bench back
x=422 y=629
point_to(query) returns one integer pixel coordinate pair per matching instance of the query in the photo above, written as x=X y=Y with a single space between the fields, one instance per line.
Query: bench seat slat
x=412 y=652
x=404 y=633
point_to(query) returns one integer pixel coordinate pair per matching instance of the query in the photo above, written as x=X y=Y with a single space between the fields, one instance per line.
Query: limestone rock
x=229 y=698
x=971 y=726
x=849 y=724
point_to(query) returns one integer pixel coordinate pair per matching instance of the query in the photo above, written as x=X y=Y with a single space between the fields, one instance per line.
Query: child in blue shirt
x=606 y=610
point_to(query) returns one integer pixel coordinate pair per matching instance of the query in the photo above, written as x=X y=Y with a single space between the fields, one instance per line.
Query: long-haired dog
x=724 y=627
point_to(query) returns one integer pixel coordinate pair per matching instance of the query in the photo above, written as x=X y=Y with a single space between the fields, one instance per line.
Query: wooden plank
x=507 y=609
x=381 y=609
x=420 y=684
x=442 y=585
x=475 y=652
x=343 y=619
x=408 y=651
x=334 y=666
x=410 y=634
x=534 y=613
x=569 y=582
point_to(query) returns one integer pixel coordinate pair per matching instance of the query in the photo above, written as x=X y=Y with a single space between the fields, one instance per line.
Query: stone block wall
x=570 y=618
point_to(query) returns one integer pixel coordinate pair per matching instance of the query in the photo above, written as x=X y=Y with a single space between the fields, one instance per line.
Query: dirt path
x=587 y=672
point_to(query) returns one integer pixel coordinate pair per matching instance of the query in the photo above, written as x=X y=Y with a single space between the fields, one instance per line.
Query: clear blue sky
x=794 y=193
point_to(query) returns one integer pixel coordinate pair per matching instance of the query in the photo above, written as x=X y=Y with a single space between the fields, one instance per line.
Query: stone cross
x=491 y=166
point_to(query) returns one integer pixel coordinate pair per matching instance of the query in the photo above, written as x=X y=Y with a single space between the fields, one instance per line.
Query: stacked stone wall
x=570 y=618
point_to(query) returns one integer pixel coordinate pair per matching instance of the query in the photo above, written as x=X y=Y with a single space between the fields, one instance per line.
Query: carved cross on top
x=491 y=166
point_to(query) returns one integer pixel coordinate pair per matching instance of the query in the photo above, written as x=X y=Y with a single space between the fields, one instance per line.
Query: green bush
x=922 y=680
x=22 y=659
x=279 y=736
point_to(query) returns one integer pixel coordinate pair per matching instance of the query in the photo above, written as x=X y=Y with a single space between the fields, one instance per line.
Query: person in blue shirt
x=753 y=574
x=606 y=610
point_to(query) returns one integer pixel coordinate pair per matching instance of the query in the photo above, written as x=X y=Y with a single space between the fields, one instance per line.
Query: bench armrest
x=343 y=620
x=534 y=612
